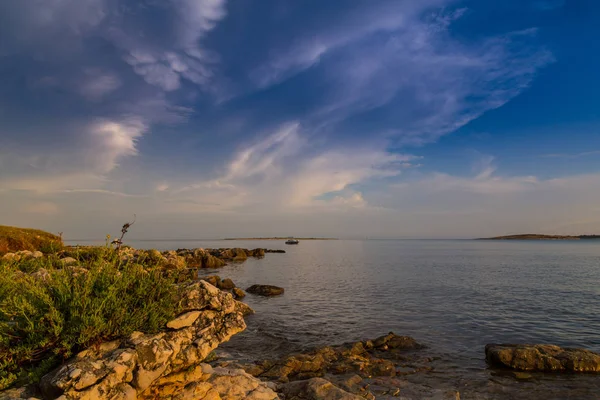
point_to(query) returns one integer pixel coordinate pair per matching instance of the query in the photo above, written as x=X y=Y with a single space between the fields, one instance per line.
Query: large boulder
x=265 y=290
x=544 y=358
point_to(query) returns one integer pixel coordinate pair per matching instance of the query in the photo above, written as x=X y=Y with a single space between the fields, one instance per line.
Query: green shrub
x=45 y=321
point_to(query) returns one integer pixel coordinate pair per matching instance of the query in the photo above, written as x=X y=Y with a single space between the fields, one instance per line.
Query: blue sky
x=387 y=118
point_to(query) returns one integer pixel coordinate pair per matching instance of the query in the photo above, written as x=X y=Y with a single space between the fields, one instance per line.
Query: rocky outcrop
x=191 y=258
x=166 y=365
x=544 y=358
x=362 y=358
x=265 y=290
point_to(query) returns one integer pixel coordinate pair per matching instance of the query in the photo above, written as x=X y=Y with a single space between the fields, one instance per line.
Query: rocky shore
x=180 y=359
x=179 y=363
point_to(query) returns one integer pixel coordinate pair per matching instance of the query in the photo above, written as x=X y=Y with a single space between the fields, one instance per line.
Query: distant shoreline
x=280 y=238
x=542 y=237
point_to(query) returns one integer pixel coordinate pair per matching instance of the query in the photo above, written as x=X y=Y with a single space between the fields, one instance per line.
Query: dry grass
x=16 y=239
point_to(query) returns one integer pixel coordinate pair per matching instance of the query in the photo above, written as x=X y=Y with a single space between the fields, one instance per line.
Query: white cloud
x=285 y=171
x=112 y=140
x=80 y=164
x=165 y=63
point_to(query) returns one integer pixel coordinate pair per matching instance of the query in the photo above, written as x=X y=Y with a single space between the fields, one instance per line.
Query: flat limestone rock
x=542 y=358
x=184 y=320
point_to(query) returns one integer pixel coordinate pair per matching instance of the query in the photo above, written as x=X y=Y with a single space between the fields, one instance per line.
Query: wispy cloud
x=403 y=62
x=283 y=170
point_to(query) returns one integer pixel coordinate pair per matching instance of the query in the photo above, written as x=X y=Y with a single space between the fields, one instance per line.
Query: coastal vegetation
x=61 y=300
x=51 y=308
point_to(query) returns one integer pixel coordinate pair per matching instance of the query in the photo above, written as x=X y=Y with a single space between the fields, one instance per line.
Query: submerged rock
x=359 y=358
x=265 y=290
x=543 y=358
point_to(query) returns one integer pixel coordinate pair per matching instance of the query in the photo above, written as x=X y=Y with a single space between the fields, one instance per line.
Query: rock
x=544 y=358
x=41 y=274
x=393 y=341
x=25 y=254
x=17 y=394
x=351 y=382
x=316 y=389
x=174 y=261
x=214 y=280
x=11 y=257
x=265 y=290
x=243 y=308
x=257 y=253
x=522 y=375
x=184 y=320
x=210 y=261
x=68 y=261
x=359 y=358
x=226 y=284
x=274 y=251
x=238 y=293
x=237 y=384
x=37 y=254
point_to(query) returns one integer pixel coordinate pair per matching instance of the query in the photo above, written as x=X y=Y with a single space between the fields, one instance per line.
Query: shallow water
x=454 y=296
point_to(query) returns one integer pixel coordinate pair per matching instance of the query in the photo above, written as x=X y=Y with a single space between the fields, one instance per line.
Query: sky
x=344 y=118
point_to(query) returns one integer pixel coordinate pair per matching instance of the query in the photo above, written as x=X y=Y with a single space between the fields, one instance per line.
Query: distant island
x=279 y=238
x=535 y=236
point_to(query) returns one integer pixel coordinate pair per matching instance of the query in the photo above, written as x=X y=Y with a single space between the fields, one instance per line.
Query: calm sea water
x=453 y=295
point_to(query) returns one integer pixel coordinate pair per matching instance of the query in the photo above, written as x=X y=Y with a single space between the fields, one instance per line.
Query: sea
x=454 y=296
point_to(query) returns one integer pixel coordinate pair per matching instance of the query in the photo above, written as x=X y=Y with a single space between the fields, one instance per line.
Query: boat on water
x=292 y=241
